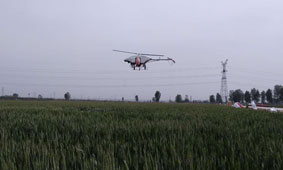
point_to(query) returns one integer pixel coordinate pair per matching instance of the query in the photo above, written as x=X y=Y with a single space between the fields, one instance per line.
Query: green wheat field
x=37 y=135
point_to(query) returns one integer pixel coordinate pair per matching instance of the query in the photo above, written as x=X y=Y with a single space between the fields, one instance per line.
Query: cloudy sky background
x=50 y=47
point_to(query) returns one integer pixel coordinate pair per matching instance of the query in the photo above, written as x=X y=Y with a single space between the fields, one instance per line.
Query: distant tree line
x=157 y=96
x=15 y=96
x=274 y=96
x=179 y=99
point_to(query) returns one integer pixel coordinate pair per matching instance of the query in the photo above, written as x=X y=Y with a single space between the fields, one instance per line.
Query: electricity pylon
x=224 y=87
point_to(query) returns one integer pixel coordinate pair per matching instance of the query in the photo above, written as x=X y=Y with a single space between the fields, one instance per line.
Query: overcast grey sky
x=53 y=46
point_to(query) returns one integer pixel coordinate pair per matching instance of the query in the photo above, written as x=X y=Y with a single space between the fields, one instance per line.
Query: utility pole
x=224 y=87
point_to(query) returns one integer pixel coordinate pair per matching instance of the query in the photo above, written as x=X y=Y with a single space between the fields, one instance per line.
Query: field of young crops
x=106 y=136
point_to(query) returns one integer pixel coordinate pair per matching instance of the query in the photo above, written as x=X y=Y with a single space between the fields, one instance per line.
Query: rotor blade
x=152 y=54
x=138 y=53
x=172 y=60
x=161 y=59
x=126 y=52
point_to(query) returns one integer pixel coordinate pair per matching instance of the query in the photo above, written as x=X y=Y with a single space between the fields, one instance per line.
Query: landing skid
x=139 y=68
x=142 y=67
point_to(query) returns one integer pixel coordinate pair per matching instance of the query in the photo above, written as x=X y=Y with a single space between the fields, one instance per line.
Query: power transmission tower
x=224 y=87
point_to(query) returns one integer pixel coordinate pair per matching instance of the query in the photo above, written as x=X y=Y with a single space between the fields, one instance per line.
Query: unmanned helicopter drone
x=140 y=59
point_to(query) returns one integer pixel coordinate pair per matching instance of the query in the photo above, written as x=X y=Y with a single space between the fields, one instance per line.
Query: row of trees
x=275 y=96
x=217 y=100
x=179 y=99
x=157 y=97
x=268 y=96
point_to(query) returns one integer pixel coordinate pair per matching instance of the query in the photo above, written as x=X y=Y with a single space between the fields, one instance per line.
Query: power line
x=121 y=77
x=256 y=71
x=110 y=86
x=254 y=77
x=101 y=72
x=247 y=84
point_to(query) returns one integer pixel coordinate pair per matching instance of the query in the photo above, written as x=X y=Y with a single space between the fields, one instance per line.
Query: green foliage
x=263 y=96
x=103 y=135
x=40 y=96
x=281 y=95
x=237 y=95
x=15 y=95
x=178 y=98
x=276 y=90
x=186 y=99
x=218 y=98
x=231 y=92
x=157 y=96
x=269 y=96
x=67 y=96
x=247 y=97
x=255 y=95
x=212 y=99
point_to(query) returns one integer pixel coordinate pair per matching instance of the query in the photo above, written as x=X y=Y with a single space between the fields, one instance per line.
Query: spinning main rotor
x=139 y=53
